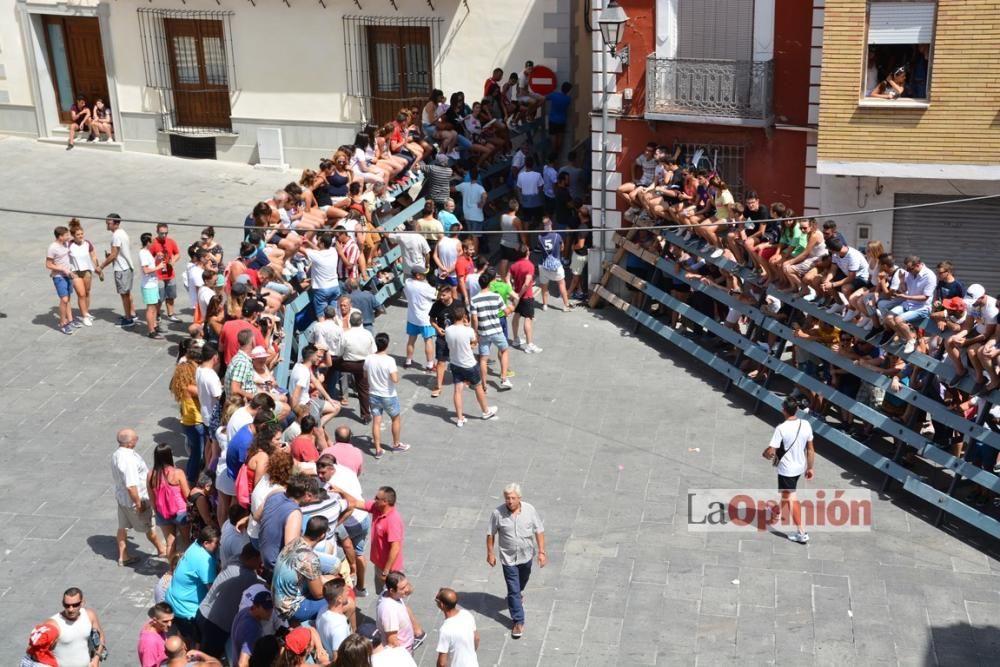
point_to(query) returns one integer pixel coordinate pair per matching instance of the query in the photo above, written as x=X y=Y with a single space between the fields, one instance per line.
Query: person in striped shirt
x=486 y=308
x=352 y=262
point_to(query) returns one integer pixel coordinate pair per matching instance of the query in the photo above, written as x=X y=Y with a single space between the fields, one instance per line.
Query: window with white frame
x=899 y=49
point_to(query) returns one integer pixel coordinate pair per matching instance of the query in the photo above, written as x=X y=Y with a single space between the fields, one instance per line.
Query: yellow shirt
x=190 y=412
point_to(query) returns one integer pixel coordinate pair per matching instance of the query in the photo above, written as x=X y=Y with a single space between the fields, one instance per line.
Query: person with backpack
x=168 y=487
x=791 y=451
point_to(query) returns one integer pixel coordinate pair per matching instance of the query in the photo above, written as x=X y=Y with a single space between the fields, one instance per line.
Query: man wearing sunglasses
x=76 y=623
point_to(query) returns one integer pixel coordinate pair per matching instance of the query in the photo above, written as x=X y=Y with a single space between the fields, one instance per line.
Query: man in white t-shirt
x=128 y=472
x=383 y=376
x=446 y=254
x=324 y=285
x=121 y=257
x=332 y=625
x=461 y=339
x=792 y=445
x=413 y=247
x=209 y=386
x=419 y=298
x=306 y=389
x=458 y=638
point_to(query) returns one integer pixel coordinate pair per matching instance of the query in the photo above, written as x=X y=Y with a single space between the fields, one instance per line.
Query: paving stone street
x=605 y=431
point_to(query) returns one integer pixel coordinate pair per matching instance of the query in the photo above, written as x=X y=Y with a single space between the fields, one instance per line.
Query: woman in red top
x=168 y=489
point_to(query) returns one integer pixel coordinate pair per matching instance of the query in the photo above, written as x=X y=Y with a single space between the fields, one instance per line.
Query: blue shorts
x=323 y=297
x=470 y=376
x=178 y=520
x=358 y=532
x=422 y=331
x=64 y=286
x=384 y=405
x=499 y=340
x=450 y=280
x=474 y=226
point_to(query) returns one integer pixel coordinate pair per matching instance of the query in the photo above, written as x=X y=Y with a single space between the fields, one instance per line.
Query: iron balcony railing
x=711 y=89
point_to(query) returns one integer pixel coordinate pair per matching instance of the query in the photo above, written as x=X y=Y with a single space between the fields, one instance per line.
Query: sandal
x=131 y=560
x=435 y=393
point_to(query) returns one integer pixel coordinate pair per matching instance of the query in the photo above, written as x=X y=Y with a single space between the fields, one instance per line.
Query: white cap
x=974 y=292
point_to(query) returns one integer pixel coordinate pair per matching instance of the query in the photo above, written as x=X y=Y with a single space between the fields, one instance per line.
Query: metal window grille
x=190 y=66
x=392 y=62
x=725 y=160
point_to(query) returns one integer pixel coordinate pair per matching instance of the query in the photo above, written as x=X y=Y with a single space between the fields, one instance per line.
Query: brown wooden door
x=400 y=68
x=200 y=73
x=76 y=60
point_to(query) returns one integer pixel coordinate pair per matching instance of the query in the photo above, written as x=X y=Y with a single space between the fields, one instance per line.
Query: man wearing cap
x=228 y=344
x=303 y=641
x=419 y=298
x=979 y=327
x=239 y=371
x=217 y=611
x=41 y=641
x=247 y=627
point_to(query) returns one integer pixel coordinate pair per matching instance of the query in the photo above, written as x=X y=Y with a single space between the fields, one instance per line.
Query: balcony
x=725 y=92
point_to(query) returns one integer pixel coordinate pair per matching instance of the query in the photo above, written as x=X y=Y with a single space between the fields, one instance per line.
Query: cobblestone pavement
x=606 y=433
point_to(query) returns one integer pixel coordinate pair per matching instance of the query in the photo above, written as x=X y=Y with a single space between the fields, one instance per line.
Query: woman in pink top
x=168 y=487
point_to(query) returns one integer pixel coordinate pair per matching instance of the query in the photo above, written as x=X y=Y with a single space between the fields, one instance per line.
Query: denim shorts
x=64 y=286
x=178 y=520
x=496 y=339
x=358 y=532
x=384 y=405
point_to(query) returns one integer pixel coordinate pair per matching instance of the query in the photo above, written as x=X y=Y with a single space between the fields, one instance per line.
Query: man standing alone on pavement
x=519 y=529
x=129 y=471
x=459 y=639
x=792 y=453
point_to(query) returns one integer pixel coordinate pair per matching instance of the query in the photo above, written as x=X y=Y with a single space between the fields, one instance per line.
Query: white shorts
x=545 y=276
x=576 y=263
x=733 y=317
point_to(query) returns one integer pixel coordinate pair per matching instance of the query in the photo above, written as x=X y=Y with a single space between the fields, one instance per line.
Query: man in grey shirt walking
x=519 y=528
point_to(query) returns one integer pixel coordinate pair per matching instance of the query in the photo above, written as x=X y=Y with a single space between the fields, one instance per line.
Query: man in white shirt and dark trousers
x=358 y=343
x=458 y=638
x=792 y=453
x=383 y=376
x=518 y=527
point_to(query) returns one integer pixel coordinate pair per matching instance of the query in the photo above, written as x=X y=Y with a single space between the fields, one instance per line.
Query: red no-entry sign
x=542 y=80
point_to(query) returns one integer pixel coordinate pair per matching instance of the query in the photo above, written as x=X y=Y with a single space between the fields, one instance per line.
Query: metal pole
x=596 y=269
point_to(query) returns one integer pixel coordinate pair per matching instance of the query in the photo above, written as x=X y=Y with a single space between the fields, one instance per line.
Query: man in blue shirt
x=236 y=451
x=559 y=101
x=195 y=572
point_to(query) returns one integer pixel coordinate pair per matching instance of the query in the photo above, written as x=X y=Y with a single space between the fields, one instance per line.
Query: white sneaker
x=686 y=236
x=545 y=307
x=88 y=321
x=531 y=348
x=461 y=422
x=490 y=413
x=505 y=384
x=801 y=538
x=811 y=296
x=849 y=314
x=716 y=253
x=910 y=346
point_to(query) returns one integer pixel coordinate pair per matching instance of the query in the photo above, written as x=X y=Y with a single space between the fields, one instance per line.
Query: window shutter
x=715 y=29
x=901 y=22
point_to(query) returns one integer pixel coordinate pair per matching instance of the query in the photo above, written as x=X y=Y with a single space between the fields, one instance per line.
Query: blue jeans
x=309 y=609
x=323 y=297
x=195 y=435
x=516 y=578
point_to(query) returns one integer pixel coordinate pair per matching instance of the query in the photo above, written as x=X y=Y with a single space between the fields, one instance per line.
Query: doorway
x=76 y=60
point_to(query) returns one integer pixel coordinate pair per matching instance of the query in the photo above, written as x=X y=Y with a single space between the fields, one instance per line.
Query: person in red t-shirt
x=494 y=80
x=464 y=265
x=228 y=345
x=386 y=535
x=522 y=277
x=166 y=246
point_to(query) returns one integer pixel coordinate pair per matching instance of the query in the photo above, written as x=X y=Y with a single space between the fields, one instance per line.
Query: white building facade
x=258 y=81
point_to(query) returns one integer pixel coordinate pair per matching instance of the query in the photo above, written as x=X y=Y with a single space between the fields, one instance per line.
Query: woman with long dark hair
x=168 y=489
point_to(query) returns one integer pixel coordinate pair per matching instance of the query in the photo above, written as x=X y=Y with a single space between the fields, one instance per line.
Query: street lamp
x=612 y=21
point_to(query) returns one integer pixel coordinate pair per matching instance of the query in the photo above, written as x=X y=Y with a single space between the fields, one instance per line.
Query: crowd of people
x=270 y=541
x=901 y=304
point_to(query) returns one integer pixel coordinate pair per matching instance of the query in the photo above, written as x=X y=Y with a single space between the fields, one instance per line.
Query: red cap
x=955 y=303
x=40 y=642
x=298 y=641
